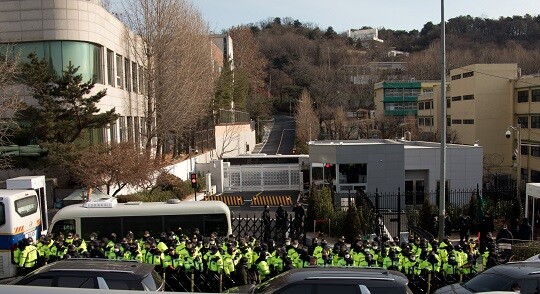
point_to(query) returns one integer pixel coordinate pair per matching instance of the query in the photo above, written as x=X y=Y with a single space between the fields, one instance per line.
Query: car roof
x=517 y=269
x=131 y=268
x=318 y=273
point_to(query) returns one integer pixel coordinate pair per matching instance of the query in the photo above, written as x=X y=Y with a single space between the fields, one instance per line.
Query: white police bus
x=107 y=216
x=20 y=217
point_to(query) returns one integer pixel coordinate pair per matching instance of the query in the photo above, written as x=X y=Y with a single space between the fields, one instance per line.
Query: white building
x=84 y=33
x=388 y=165
x=364 y=35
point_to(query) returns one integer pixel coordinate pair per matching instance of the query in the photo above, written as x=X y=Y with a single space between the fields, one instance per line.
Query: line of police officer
x=207 y=264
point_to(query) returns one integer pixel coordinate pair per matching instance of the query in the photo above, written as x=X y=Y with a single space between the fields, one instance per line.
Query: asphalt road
x=281 y=137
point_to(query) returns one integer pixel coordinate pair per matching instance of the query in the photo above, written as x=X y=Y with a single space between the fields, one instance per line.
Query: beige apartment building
x=483 y=103
x=526 y=101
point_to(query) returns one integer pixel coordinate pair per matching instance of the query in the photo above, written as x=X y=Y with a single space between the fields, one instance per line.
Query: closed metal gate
x=262 y=177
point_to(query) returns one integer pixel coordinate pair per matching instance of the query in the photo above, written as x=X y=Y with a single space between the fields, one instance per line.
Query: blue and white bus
x=20 y=217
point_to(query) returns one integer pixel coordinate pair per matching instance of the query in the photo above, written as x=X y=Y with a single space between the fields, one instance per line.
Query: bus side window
x=63 y=227
x=2 y=214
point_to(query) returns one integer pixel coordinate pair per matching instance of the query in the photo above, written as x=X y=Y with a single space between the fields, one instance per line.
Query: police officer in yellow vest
x=215 y=268
x=262 y=266
x=28 y=258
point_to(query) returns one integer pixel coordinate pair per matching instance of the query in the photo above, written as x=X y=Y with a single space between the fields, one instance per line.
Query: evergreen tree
x=354 y=227
x=241 y=90
x=224 y=88
x=64 y=108
x=426 y=217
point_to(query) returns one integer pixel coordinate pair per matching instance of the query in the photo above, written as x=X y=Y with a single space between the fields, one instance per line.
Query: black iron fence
x=402 y=210
x=227 y=116
x=254 y=226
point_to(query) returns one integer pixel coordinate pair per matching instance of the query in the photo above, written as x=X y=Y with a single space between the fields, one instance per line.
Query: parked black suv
x=334 y=280
x=95 y=274
x=501 y=278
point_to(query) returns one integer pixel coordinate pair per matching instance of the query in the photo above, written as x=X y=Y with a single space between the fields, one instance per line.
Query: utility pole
x=442 y=128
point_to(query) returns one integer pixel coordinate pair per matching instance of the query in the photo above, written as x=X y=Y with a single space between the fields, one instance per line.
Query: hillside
x=302 y=55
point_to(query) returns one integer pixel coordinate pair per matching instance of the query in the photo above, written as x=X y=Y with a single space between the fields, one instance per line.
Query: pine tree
x=64 y=108
x=224 y=94
x=354 y=228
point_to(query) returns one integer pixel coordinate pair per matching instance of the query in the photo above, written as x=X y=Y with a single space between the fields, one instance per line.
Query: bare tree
x=230 y=139
x=172 y=40
x=10 y=100
x=114 y=166
x=307 y=122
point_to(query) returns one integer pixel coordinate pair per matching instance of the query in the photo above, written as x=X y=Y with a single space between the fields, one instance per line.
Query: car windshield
x=153 y=281
x=270 y=286
x=488 y=282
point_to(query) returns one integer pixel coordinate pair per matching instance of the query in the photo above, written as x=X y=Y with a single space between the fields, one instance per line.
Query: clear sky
x=345 y=14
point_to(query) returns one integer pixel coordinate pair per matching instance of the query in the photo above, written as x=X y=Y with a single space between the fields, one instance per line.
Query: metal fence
x=254 y=226
x=400 y=210
x=227 y=116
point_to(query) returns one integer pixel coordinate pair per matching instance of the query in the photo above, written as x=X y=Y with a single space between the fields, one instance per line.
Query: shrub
x=426 y=217
x=353 y=227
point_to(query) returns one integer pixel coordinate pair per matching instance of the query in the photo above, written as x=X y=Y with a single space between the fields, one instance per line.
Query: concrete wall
x=385 y=162
x=232 y=139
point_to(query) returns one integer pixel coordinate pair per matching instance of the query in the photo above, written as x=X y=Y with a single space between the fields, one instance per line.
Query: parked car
x=332 y=280
x=95 y=274
x=501 y=278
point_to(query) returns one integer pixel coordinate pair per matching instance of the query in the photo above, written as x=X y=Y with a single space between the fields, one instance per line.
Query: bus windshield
x=26 y=206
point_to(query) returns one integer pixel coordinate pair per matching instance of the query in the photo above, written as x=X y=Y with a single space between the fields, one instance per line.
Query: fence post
x=192 y=280
x=377 y=200
x=428 y=282
x=399 y=211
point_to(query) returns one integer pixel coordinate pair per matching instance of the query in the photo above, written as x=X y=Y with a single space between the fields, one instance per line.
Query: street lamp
x=516 y=153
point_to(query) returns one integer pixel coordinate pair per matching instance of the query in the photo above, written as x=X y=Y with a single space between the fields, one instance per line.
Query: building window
x=456 y=98
x=448 y=103
x=468 y=121
x=122 y=128
x=127 y=73
x=130 y=128
x=429 y=104
x=468 y=97
x=523 y=96
x=468 y=74
x=523 y=121
x=141 y=81
x=448 y=122
x=355 y=173
x=86 y=56
x=112 y=133
x=110 y=68
x=456 y=77
x=420 y=121
x=134 y=77
x=535 y=122
x=143 y=128
x=535 y=95
x=535 y=151
x=535 y=176
x=524 y=150
x=137 y=131
x=420 y=105
x=456 y=121
x=119 y=72
x=525 y=175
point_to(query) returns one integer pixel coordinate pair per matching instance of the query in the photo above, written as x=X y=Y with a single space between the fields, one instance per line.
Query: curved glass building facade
x=87 y=56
